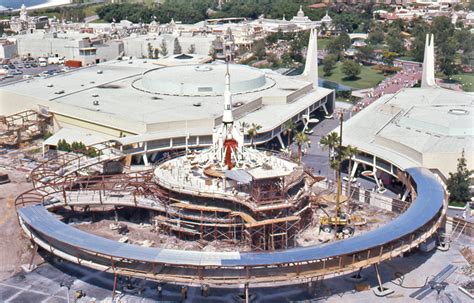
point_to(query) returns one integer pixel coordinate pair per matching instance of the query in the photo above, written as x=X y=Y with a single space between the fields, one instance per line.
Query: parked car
x=16 y=72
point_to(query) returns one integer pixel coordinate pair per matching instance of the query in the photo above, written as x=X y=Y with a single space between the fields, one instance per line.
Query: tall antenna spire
x=428 y=77
x=311 y=66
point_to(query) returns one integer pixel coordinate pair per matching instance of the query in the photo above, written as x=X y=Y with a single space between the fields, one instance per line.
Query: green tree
x=301 y=139
x=351 y=69
x=395 y=41
x=389 y=57
x=252 y=132
x=365 y=53
x=328 y=64
x=150 y=50
x=258 y=49
x=290 y=127
x=376 y=36
x=163 y=48
x=419 y=31
x=329 y=142
x=192 y=49
x=177 y=47
x=350 y=151
x=458 y=183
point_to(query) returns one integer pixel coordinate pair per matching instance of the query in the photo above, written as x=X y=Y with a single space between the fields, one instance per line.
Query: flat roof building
x=151 y=107
x=428 y=126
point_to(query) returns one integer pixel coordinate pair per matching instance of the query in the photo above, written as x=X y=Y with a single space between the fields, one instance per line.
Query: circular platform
x=202 y=80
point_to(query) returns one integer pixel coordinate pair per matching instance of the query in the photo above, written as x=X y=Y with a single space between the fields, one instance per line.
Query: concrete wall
x=11 y=103
x=109 y=51
x=138 y=46
x=447 y=162
x=8 y=51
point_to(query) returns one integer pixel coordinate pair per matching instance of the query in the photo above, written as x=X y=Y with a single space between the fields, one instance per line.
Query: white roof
x=124 y=105
x=405 y=127
x=73 y=135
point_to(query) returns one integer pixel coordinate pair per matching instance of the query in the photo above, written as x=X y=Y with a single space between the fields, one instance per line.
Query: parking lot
x=19 y=70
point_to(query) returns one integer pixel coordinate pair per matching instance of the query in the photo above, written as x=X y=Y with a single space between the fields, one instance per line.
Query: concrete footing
x=27 y=268
x=383 y=292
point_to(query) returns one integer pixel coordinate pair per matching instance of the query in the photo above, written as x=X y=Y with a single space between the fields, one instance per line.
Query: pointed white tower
x=310 y=72
x=428 y=77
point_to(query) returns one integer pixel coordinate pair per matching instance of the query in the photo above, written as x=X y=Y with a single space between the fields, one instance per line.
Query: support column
x=354 y=170
x=325 y=109
x=246 y=293
x=380 y=290
x=280 y=140
x=145 y=160
x=405 y=194
x=115 y=286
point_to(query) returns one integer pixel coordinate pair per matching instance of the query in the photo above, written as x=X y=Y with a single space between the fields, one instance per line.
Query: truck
x=73 y=63
x=42 y=62
x=56 y=60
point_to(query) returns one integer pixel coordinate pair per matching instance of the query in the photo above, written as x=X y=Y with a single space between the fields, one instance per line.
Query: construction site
x=228 y=216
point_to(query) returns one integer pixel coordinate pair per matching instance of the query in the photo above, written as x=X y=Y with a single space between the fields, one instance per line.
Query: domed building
x=150 y=108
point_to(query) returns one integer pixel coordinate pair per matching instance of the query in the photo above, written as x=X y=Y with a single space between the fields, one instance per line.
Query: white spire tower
x=310 y=72
x=428 y=77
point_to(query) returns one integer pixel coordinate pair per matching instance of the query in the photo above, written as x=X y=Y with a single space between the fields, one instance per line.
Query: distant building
x=428 y=126
x=25 y=23
x=8 y=49
x=87 y=48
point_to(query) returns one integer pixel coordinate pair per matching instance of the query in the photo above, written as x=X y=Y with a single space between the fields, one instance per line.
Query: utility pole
x=339 y=158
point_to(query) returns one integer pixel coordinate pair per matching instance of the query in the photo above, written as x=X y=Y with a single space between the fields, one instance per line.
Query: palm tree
x=349 y=152
x=301 y=139
x=253 y=132
x=329 y=142
x=243 y=126
x=290 y=127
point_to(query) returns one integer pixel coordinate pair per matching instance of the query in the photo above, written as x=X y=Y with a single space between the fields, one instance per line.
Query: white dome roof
x=202 y=79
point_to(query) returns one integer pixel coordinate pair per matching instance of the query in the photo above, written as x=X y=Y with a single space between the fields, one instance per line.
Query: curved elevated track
x=417 y=223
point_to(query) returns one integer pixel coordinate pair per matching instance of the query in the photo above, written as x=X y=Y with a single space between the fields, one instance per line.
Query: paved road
x=44 y=284
x=408 y=76
x=91 y=18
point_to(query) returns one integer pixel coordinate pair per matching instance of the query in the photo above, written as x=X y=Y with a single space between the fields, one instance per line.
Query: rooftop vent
x=113 y=86
x=197 y=104
x=203 y=68
x=156 y=98
x=50 y=85
x=100 y=72
x=458 y=111
x=95 y=95
x=95 y=102
x=59 y=92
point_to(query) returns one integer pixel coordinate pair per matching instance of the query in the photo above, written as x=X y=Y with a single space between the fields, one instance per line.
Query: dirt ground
x=146 y=235
x=15 y=249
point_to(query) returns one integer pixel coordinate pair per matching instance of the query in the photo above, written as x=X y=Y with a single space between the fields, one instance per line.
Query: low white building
x=428 y=127
x=84 y=47
x=8 y=49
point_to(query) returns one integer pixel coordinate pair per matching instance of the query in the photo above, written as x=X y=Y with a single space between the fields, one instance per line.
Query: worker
x=184 y=292
x=160 y=290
